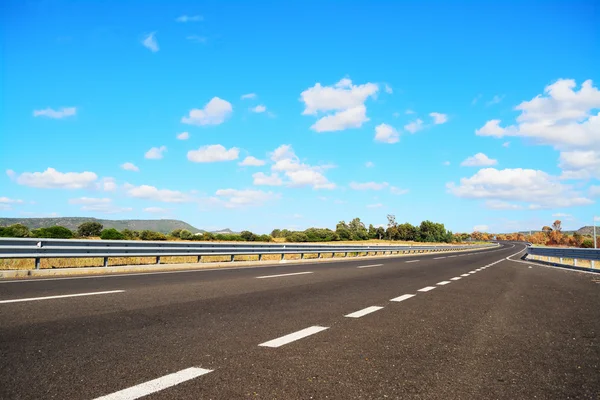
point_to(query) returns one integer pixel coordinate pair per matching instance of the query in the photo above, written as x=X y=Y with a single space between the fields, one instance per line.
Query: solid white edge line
x=370 y=266
x=426 y=289
x=363 y=312
x=455 y=278
x=280 y=275
x=403 y=297
x=156 y=385
x=292 y=337
x=63 y=296
x=442 y=283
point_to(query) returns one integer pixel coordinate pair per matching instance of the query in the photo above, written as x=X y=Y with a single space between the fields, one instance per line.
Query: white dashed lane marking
x=412 y=261
x=403 y=297
x=156 y=385
x=465 y=275
x=292 y=337
x=64 y=296
x=370 y=266
x=442 y=283
x=280 y=275
x=438 y=258
x=426 y=289
x=455 y=278
x=363 y=312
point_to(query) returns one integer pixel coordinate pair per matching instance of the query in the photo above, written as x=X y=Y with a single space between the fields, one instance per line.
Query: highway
x=430 y=326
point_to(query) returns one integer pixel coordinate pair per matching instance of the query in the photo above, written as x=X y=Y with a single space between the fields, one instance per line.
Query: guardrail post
x=37 y=263
x=199 y=259
x=575 y=262
x=232 y=257
x=282 y=256
x=260 y=257
x=593 y=264
x=106 y=261
x=346 y=254
x=158 y=259
x=560 y=260
x=318 y=255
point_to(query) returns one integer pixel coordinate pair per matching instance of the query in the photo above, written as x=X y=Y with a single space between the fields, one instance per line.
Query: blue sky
x=476 y=115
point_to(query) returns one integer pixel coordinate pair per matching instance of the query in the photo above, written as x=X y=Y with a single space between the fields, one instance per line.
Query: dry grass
x=566 y=261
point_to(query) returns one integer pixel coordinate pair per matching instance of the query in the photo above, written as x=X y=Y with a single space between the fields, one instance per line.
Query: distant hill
x=588 y=230
x=157 y=225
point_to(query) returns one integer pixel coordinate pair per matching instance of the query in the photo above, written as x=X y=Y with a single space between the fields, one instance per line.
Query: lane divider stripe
x=280 y=275
x=426 y=289
x=292 y=337
x=363 y=312
x=403 y=297
x=64 y=296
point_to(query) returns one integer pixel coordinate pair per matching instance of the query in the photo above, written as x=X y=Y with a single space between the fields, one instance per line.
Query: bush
x=130 y=235
x=88 y=229
x=264 y=238
x=54 y=232
x=176 y=233
x=588 y=244
x=248 y=236
x=6 y=231
x=151 y=235
x=185 y=234
x=111 y=234
x=297 y=237
x=16 y=230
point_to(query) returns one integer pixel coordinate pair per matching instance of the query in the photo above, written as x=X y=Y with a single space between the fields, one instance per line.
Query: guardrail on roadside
x=562 y=253
x=68 y=248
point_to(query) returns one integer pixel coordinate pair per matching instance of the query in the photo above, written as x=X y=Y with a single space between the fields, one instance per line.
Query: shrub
x=297 y=237
x=248 y=236
x=264 y=238
x=111 y=234
x=6 y=231
x=588 y=244
x=151 y=235
x=185 y=234
x=88 y=229
x=176 y=233
x=130 y=235
x=53 y=232
x=19 y=230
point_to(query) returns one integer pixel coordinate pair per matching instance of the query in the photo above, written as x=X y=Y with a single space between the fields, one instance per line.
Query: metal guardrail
x=68 y=248
x=565 y=252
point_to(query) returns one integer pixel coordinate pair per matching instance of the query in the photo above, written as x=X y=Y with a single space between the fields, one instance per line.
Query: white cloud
x=368 y=185
x=183 y=136
x=481 y=228
x=414 y=126
x=129 y=167
x=6 y=203
x=233 y=198
x=261 y=179
x=53 y=179
x=561 y=117
x=495 y=100
x=252 y=162
x=594 y=191
x=343 y=101
x=101 y=205
x=150 y=42
x=535 y=187
x=506 y=144
x=386 y=134
x=369 y=164
x=248 y=96
x=259 y=109
x=11 y=174
x=156 y=210
x=502 y=205
x=409 y=112
x=580 y=164
x=478 y=160
x=299 y=174
x=446 y=163
x=397 y=190
x=56 y=114
x=213 y=153
x=562 y=215
x=155 y=153
x=189 y=18
x=152 y=193
x=377 y=205
x=107 y=184
x=388 y=89
x=215 y=112
x=439 y=118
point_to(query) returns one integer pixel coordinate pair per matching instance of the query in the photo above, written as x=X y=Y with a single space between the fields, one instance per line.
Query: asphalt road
x=504 y=330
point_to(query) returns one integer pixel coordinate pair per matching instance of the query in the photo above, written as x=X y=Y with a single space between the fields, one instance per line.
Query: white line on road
x=363 y=312
x=280 y=275
x=292 y=337
x=465 y=275
x=442 y=283
x=426 y=289
x=455 y=278
x=156 y=385
x=472 y=272
x=451 y=256
x=412 y=261
x=403 y=297
x=438 y=258
x=370 y=266
x=59 y=297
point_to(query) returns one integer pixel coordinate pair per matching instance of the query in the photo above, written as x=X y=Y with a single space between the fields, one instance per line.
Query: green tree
x=372 y=232
x=320 y=235
x=297 y=237
x=53 y=232
x=151 y=235
x=111 y=234
x=264 y=238
x=358 y=230
x=276 y=233
x=432 y=232
x=130 y=235
x=185 y=234
x=380 y=232
x=343 y=231
x=391 y=220
x=392 y=233
x=90 y=228
x=248 y=236
x=176 y=233
x=407 y=231
x=19 y=230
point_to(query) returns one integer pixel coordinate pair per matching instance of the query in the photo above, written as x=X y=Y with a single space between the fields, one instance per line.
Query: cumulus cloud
x=414 y=126
x=251 y=162
x=183 y=136
x=248 y=96
x=156 y=210
x=53 y=179
x=386 y=134
x=101 y=205
x=377 y=205
x=495 y=100
x=261 y=179
x=234 y=198
x=594 y=191
x=258 y=109
x=397 y=190
x=150 y=42
x=147 y=192
x=344 y=104
x=535 y=187
x=478 y=160
x=388 y=89
x=189 y=18
x=481 y=228
x=7 y=200
x=506 y=144
x=215 y=112
x=213 y=153
x=439 y=118
x=155 y=153
x=502 y=205
x=129 y=167
x=368 y=185
x=56 y=114
x=107 y=184
x=298 y=173
x=561 y=117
